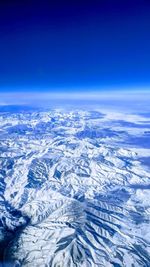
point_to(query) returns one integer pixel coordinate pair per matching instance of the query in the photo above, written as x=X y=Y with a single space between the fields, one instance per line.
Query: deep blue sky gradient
x=63 y=45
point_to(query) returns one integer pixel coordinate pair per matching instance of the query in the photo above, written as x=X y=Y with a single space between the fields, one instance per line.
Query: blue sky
x=74 y=45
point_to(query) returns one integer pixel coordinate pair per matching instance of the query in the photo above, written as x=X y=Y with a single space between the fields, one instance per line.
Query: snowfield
x=74 y=189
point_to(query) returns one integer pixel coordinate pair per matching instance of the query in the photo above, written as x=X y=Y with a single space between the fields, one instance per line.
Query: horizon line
x=36 y=98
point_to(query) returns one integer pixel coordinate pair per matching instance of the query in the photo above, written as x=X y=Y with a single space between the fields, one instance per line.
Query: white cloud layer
x=116 y=99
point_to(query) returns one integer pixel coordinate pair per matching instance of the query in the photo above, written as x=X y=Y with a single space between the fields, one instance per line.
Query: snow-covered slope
x=74 y=190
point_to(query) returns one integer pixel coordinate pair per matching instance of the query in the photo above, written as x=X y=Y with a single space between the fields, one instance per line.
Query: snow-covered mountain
x=74 y=188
